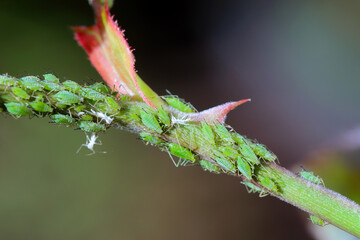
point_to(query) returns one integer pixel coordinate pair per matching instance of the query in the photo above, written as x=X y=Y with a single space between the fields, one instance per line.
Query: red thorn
x=217 y=115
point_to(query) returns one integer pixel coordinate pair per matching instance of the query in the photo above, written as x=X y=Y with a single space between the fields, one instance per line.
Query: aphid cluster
x=65 y=103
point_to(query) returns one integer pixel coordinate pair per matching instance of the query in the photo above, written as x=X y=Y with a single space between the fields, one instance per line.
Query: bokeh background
x=298 y=61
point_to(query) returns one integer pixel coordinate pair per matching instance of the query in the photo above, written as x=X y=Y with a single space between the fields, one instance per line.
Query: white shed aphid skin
x=180 y=121
x=90 y=143
x=103 y=116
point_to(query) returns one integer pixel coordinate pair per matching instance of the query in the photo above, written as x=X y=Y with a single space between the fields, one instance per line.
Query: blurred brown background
x=298 y=61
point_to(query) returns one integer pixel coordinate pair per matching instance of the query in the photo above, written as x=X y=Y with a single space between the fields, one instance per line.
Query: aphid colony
x=64 y=102
x=68 y=103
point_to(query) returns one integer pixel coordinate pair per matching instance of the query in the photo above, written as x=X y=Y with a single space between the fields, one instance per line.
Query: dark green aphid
x=99 y=87
x=17 y=109
x=164 y=117
x=317 y=221
x=92 y=94
x=209 y=166
x=7 y=81
x=32 y=83
x=228 y=151
x=208 y=133
x=61 y=105
x=72 y=86
x=226 y=164
x=251 y=188
x=181 y=152
x=135 y=117
x=151 y=138
x=86 y=117
x=248 y=154
x=79 y=108
x=269 y=184
x=39 y=98
x=52 y=86
x=88 y=126
x=179 y=105
x=19 y=92
x=150 y=121
x=244 y=167
x=311 y=177
x=62 y=119
x=51 y=78
x=41 y=107
x=67 y=98
x=261 y=151
x=223 y=133
x=112 y=103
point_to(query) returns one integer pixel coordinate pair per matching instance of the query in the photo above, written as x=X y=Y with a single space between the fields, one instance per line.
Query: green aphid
x=32 y=83
x=99 y=87
x=62 y=119
x=223 y=133
x=79 y=108
x=17 y=109
x=71 y=86
x=311 y=177
x=226 y=164
x=228 y=151
x=88 y=126
x=39 y=98
x=151 y=138
x=124 y=97
x=209 y=166
x=239 y=139
x=92 y=94
x=261 y=151
x=7 y=81
x=86 y=117
x=179 y=105
x=19 y=92
x=208 y=133
x=251 y=188
x=41 y=107
x=112 y=103
x=135 y=117
x=181 y=152
x=67 y=98
x=164 y=117
x=52 y=86
x=317 y=221
x=269 y=184
x=244 y=167
x=61 y=105
x=248 y=154
x=51 y=78
x=150 y=121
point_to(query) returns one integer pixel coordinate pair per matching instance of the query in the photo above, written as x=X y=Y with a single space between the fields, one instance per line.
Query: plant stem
x=96 y=108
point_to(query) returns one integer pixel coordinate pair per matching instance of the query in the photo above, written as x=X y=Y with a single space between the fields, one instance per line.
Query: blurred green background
x=298 y=61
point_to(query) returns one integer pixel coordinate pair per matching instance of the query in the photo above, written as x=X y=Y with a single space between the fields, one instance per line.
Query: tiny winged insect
x=90 y=143
x=150 y=121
